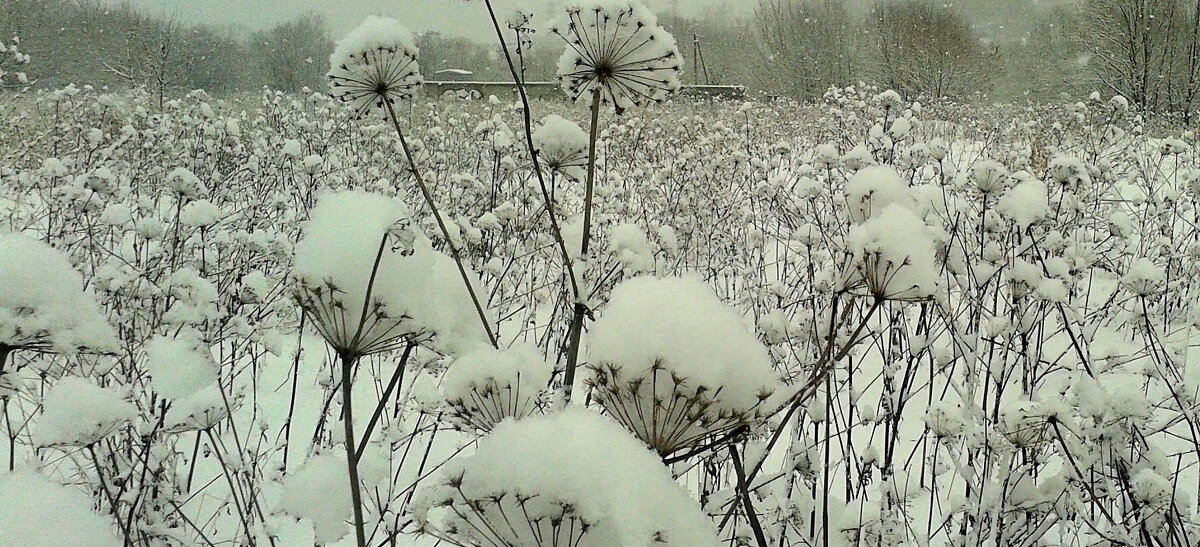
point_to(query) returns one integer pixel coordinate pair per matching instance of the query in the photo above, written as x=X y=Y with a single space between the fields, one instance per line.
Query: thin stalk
x=112 y=501
x=397 y=379
x=437 y=216
x=351 y=455
x=287 y=425
x=744 y=490
x=12 y=437
x=581 y=310
x=527 y=118
x=243 y=514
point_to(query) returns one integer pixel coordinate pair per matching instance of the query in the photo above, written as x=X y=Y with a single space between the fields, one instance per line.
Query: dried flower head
x=618 y=49
x=375 y=65
x=561 y=145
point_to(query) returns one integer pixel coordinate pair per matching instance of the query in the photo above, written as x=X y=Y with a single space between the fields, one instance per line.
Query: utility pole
x=698 y=66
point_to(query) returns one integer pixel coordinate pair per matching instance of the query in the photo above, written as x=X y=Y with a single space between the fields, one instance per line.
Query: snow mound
x=893 y=256
x=320 y=492
x=575 y=465
x=42 y=301
x=37 y=512
x=872 y=189
x=374 y=66
x=1025 y=203
x=561 y=145
x=411 y=295
x=631 y=247
x=78 y=413
x=374 y=33
x=678 y=324
x=179 y=367
x=490 y=385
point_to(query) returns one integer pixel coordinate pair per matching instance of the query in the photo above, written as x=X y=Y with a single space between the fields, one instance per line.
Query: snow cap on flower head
x=374 y=66
x=617 y=48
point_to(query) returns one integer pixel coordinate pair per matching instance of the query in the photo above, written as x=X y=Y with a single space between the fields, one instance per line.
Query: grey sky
x=450 y=16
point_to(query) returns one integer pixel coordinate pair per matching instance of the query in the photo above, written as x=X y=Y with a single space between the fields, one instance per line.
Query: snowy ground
x=1012 y=293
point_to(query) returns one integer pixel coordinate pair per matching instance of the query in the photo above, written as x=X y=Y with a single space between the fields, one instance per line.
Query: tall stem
x=527 y=118
x=591 y=172
x=437 y=216
x=351 y=454
x=12 y=436
x=108 y=495
x=743 y=488
x=397 y=379
x=287 y=425
x=581 y=310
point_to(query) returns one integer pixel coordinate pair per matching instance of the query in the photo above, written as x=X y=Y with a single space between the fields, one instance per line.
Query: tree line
x=1145 y=50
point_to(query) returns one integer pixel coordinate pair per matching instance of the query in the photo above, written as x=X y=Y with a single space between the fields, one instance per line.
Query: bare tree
x=804 y=46
x=930 y=50
x=1146 y=50
x=293 y=54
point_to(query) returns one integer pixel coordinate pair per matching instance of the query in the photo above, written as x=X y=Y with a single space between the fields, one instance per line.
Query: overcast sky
x=451 y=16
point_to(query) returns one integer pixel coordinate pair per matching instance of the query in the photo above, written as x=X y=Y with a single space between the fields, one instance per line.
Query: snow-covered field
x=861 y=322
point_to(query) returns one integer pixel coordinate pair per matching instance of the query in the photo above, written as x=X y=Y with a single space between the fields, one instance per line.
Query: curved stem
x=351 y=454
x=527 y=118
x=437 y=216
x=581 y=310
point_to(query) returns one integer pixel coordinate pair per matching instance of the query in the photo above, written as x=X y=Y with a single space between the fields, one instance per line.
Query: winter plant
x=364 y=316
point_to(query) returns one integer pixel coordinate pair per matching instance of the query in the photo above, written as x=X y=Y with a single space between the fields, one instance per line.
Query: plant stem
x=108 y=495
x=527 y=118
x=351 y=455
x=244 y=514
x=576 y=329
x=744 y=490
x=12 y=437
x=437 y=216
x=591 y=172
x=287 y=425
x=397 y=379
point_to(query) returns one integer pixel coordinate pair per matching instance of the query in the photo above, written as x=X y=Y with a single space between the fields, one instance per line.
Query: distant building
x=453 y=75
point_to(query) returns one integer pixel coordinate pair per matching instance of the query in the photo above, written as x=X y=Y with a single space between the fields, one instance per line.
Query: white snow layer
x=78 y=413
x=42 y=301
x=576 y=457
x=419 y=294
x=680 y=324
x=179 y=367
x=374 y=33
x=872 y=189
x=36 y=512
x=893 y=255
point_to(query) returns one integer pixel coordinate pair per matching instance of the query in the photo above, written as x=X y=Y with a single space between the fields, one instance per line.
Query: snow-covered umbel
x=374 y=66
x=346 y=267
x=488 y=386
x=79 y=413
x=37 y=512
x=571 y=477
x=318 y=492
x=674 y=364
x=561 y=145
x=989 y=176
x=42 y=302
x=893 y=257
x=628 y=242
x=872 y=189
x=363 y=293
x=1025 y=203
x=179 y=367
x=618 y=48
